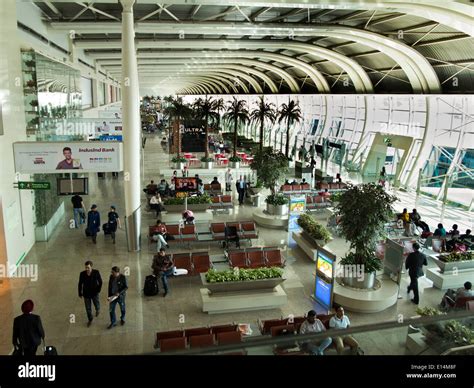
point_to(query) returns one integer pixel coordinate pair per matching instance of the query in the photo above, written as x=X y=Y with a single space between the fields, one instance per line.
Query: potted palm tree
x=236 y=113
x=178 y=110
x=364 y=210
x=265 y=112
x=219 y=106
x=204 y=109
x=289 y=113
x=271 y=167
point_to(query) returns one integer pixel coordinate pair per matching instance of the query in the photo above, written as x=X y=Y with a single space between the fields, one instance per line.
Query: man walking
x=163 y=266
x=241 y=186
x=27 y=330
x=90 y=284
x=79 y=210
x=113 y=221
x=93 y=223
x=414 y=264
x=117 y=290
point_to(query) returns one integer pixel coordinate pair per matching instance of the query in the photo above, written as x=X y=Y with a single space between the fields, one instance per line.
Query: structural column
x=131 y=128
x=95 y=86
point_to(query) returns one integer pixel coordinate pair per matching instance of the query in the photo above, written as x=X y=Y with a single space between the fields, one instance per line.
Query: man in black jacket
x=117 y=289
x=90 y=284
x=414 y=264
x=27 y=330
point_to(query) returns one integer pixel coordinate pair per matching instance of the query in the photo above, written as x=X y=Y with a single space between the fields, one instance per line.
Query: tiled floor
x=61 y=259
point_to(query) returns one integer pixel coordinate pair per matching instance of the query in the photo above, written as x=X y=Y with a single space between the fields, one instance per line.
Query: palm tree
x=236 y=112
x=219 y=106
x=263 y=112
x=178 y=110
x=205 y=109
x=289 y=113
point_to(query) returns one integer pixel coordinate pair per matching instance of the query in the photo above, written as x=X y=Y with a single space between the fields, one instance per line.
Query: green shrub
x=371 y=262
x=178 y=159
x=213 y=276
x=206 y=160
x=197 y=200
x=457 y=256
x=428 y=311
x=277 y=199
x=235 y=159
x=314 y=228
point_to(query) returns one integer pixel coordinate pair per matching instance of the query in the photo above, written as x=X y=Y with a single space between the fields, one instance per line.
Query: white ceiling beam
x=168 y=12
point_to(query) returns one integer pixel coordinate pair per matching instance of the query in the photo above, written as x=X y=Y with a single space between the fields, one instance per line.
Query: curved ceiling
x=329 y=46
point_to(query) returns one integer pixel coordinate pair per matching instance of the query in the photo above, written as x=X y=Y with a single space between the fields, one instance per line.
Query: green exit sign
x=34 y=185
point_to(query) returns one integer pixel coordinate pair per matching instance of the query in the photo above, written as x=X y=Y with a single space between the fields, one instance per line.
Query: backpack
x=50 y=351
x=151 y=286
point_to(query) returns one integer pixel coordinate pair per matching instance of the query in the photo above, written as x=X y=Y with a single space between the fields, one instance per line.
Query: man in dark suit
x=241 y=186
x=90 y=284
x=27 y=330
x=117 y=288
x=93 y=223
x=414 y=264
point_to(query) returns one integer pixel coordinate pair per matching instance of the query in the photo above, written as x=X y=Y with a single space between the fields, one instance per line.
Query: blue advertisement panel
x=323 y=292
x=324 y=277
x=297 y=206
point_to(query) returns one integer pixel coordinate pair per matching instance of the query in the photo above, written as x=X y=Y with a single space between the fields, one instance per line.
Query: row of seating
x=221 y=202
x=195 y=262
x=331 y=186
x=255 y=257
x=198 y=337
x=245 y=230
x=187 y=233
x=214 y=189
x=295 y=188
x=317 y=202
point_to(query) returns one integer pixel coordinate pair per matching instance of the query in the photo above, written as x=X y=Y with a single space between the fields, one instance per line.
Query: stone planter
x=367 y=283
x=207 y=165
x=255 y=190
x=277 y=210
x=234 y=164
x=447 y=267
x=201 y=207
x=178 y=166
x=259 y=285
x=316 y=243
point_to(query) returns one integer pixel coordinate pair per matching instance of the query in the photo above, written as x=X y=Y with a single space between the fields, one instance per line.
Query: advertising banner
x=297 y=206
x=61 y=157
x=324 y=278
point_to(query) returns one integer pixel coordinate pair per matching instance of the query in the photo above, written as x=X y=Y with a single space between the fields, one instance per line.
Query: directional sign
x=34 y=185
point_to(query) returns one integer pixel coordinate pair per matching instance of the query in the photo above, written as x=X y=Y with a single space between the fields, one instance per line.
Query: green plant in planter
x=258 y=184
x=277 y=199
x=235 y=159
x=364 y=210
x=206 y=160
x=428 y=311
x=458 y=333
x=213 y=276
x=457 y=256
x=271 y=167
x=34 y=103
x=178 y=159
x=198 y=200
x=313 y=228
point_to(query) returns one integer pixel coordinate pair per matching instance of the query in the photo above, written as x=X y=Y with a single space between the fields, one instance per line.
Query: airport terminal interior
x=280 y=177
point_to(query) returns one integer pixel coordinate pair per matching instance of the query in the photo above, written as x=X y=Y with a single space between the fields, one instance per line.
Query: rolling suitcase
x=106 y=228
x=50 y=351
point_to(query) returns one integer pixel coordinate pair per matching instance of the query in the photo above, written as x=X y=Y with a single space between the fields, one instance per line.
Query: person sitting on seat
x=151 y=188
x=162 y=187
x=405 y=217
x=294 y=182
x=287 y=182
x=454 y=231
x=188 y=217
x=314 y=325
x=341 y=321
x=230 y=233
x=156 y=204
x=159 y=235
x=325 y=193
x=440 y=231
x=450 y=297
x=466 y=238
x=303 y=182
x=416 y=219
x=215 y=181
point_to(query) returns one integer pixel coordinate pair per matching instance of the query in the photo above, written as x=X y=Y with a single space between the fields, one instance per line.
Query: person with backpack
x=93 y=223
x=113 y=222
x=27 y=331
x=90 y=284
x=117 y=290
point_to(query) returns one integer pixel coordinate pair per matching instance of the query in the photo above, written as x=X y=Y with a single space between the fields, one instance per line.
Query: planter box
x=447 y=267
x=315 y=243
x=180 y=208
x=178 y=166
x=367 y=283
x=278 y=210
x=207 y=165
x=242 y=286
x=234 y=164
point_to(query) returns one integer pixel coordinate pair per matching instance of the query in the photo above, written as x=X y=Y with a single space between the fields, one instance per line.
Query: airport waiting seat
x=255 y=259
x=183 y=260
x=238 y=259
x=170 y=344
x=201 y=341
x=229 y=337
x=201 y=262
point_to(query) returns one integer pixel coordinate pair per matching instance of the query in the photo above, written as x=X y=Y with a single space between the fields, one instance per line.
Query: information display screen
x=67 y=186
x=185 y=184
x=323 y=291
x=324 y=265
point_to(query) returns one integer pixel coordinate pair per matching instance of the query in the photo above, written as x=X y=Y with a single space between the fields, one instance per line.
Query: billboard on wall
x=61 y=157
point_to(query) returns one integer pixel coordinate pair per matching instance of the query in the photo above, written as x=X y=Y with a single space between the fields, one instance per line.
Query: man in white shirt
x=341 y=321
x=314 y=325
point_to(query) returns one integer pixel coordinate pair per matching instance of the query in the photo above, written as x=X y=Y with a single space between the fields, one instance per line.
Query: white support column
x=72 y=47
x=107 y=82
x=131 y=128
x=95 y=86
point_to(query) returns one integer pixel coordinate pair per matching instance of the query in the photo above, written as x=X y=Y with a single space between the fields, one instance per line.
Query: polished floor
x=61 y=259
